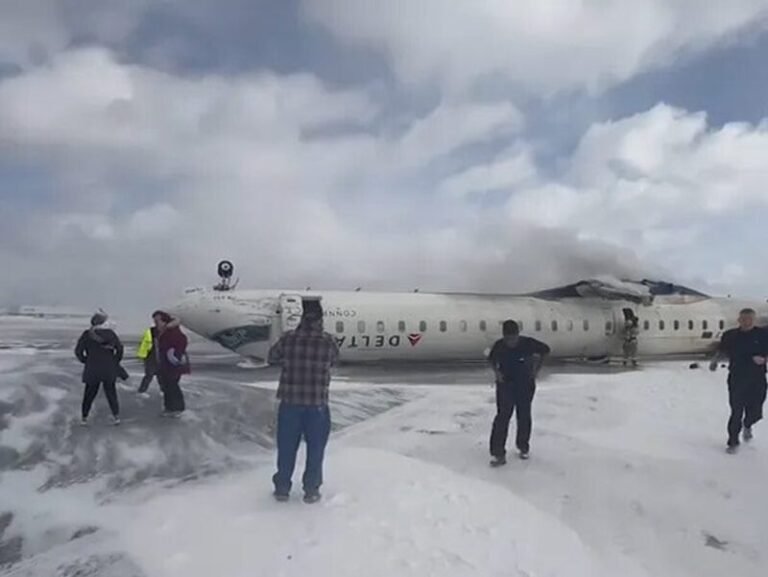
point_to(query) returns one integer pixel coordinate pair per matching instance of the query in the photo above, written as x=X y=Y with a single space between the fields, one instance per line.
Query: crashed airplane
x=584 y=320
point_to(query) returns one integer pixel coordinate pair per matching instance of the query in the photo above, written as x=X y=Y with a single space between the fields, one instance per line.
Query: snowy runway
x=628 y=477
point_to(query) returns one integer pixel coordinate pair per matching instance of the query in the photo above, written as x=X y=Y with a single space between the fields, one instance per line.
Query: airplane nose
x=190 y=311
x=241 y=326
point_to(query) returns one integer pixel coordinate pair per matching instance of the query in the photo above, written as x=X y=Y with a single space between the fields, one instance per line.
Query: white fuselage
x=380 y=327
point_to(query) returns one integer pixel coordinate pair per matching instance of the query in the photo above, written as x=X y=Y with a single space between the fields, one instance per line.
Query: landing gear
x=226 y=269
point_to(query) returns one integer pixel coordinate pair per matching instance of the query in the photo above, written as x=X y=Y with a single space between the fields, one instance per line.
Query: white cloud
x=451 y=126
x=230 y=160
x=155 y=221
x=660 y=165
x=85 y=98
x=158 y=176
x=33 y=31
x=511 y=170
x=93 y=227
x=539 y=46
x=29 y=30
x=662 y=182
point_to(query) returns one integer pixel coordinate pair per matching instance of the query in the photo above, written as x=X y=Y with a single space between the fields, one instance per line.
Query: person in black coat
x=101 y=351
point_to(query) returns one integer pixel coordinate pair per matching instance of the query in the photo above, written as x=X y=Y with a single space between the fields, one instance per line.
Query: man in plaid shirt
x=306 y=356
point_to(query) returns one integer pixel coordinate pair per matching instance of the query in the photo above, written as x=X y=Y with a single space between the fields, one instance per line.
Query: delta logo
x=414 y=339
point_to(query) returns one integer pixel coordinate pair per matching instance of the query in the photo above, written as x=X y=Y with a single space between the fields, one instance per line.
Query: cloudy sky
x=470 y=145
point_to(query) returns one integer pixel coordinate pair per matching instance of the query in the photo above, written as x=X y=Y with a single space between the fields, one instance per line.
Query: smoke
x=483 y=254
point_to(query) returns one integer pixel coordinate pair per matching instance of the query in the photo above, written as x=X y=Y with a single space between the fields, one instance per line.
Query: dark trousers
x=313 y=423
x=173 y=397
x=92 y=389
x=511 y=397
x=746 y=397
x=150 y=371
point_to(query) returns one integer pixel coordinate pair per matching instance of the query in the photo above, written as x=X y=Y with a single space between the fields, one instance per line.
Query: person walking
x=516 y=361
x=100 y=351
x=746 y=347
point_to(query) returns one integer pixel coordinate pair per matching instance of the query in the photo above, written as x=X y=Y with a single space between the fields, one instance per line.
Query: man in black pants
x=747 y=350
x=516 y=361
x=101 y=351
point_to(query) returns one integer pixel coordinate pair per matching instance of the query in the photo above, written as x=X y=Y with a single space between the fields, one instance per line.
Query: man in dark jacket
x=173 y=362
x=306 y=356
x=101 y=351
x=516 y=361
x=747 y=350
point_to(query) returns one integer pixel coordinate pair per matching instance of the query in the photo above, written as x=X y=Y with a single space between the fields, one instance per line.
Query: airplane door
x=613 y=328
x=610 y=321
x=291 y=309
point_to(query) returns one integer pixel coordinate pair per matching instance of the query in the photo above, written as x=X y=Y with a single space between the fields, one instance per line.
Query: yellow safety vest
x=146 y=345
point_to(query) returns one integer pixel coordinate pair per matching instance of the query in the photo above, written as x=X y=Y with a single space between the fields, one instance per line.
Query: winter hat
x=164 y=316
x=99 y=318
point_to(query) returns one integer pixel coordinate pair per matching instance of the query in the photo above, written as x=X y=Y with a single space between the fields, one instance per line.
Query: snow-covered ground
x=628 y=477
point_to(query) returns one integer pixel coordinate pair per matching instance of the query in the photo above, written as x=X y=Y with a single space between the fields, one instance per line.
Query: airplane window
x=401 y=326
x=586 y=324
x=538 y=326
x=463 y=326
x=722 y=325
x=483 y=326
x=380 y=326
x=704 y=325
x=608 y=326
x=443 y=326
x=690 y=325
x=677 y=325
x=360 y=326
x=570 y=325
x=340 y=326
x=554 y=326
x=662 y=325
x=423 y=326
x=647 y=325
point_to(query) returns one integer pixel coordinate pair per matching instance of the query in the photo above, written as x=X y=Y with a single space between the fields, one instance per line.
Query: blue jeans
x=293 y=422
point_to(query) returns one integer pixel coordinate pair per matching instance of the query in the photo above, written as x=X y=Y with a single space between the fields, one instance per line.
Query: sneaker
x=499 y=461
x=748 y=436
x=281 y=497
x=84 y=422
x=732 y=449
x=312 y=497
x=525 y=455
x=116 y=421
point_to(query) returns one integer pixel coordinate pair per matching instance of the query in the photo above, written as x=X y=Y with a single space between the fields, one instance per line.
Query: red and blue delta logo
x=414 y=338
